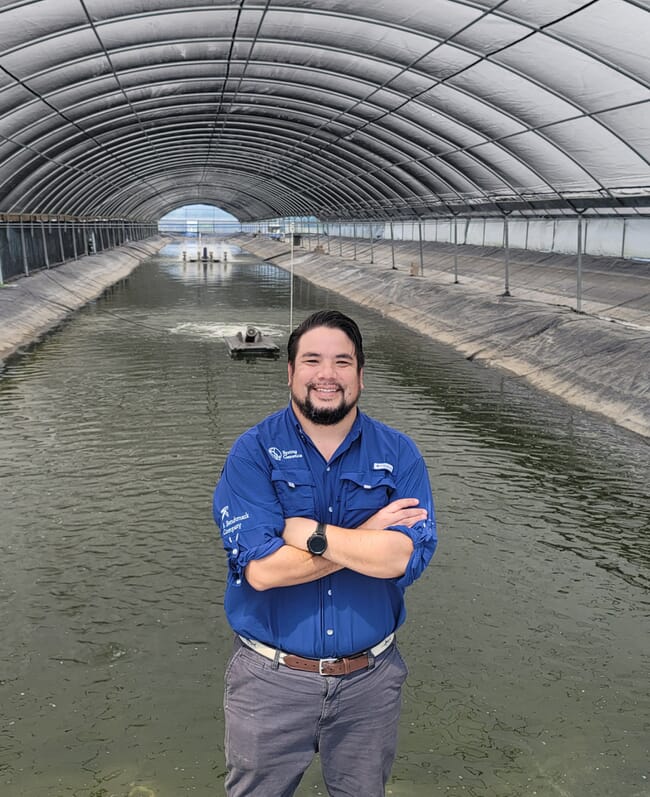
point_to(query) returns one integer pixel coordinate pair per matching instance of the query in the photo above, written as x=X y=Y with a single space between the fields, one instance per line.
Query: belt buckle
x=324 y=661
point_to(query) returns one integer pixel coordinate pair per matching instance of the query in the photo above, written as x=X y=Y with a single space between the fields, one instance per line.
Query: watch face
x=317 y=544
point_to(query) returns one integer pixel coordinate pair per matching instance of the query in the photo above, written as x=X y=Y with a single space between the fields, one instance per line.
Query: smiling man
x=326 y=517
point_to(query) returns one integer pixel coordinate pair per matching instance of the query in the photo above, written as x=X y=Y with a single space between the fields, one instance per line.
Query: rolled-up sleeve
x=246 y=510
x=413 y=482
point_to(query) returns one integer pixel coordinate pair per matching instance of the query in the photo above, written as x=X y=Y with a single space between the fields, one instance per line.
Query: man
x=326 y=516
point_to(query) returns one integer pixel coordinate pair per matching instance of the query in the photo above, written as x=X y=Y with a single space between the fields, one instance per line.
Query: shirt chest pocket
x=295 y=491
x=367 y=491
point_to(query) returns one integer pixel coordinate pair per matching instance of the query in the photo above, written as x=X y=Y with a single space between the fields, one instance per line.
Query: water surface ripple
x=527 y=638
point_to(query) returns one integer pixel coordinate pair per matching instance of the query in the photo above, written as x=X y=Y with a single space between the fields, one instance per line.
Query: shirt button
x=329 y=592
x=328 y=468
x=235 y=551
x=330 y=632
x=329 y=509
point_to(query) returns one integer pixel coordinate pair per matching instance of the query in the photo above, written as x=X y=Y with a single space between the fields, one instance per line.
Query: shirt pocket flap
x=295 y=490
x=292 y=477
x=368 y=489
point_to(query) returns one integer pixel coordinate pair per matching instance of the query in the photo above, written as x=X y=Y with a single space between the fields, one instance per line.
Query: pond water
x=526 y=639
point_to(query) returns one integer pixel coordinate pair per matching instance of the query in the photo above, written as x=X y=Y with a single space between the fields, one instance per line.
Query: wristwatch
x=317 y=543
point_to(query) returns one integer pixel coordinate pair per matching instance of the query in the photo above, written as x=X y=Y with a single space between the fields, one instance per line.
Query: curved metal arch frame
x=123 y=157
x=602 y=188
x=484 y=164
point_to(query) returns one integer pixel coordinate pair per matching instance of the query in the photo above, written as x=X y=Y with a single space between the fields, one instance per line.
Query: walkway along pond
x=527 y=638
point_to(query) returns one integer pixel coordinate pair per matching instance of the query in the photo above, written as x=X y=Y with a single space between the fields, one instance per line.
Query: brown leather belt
x=342 y=666
x=337 y=667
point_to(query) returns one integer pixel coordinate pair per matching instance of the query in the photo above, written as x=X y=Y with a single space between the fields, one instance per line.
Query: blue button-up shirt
x=273 y=472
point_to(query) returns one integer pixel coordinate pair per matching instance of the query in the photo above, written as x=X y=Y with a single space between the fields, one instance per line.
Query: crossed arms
x=373 y=549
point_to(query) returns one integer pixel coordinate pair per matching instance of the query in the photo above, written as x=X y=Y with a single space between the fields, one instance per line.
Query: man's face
x=325 y=381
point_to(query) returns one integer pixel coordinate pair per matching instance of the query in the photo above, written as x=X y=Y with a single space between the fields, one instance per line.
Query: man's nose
x=327 y=368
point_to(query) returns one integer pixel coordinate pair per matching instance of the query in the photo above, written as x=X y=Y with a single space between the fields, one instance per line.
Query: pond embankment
x=31 y=306
x=589 y=361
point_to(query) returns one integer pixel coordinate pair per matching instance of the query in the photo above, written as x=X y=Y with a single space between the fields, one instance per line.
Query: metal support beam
x=46 y=256
x=455 y=223
x=579 y=268
x=23 y=248
x=506 y=247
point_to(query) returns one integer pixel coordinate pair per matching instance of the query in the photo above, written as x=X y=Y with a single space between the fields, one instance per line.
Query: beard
x=325 y=416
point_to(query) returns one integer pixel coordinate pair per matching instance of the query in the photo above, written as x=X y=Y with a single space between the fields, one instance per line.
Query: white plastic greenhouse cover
x=346 y=108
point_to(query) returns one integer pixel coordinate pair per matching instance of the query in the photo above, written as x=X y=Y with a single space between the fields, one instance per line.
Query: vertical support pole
x=623 y=239
x=421 y=249
x=354 y=235
x=579 y=268
x=74 y=241
x=61 y=241
x=23 y=248
x=46 y=255
x=291 y=231
x=392 y=247
x=455 y=223
x=372 y=245
x=328 y=239
x=340 y=240
x=506 y=245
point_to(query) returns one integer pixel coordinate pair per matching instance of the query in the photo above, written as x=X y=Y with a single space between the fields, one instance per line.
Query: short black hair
x=334 y=320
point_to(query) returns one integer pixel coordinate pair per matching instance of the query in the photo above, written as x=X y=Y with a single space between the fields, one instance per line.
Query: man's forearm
x=287 y=567
x=373 y=552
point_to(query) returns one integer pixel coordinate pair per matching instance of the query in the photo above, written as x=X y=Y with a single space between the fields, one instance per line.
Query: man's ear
x=361 y=379
x=289 y=373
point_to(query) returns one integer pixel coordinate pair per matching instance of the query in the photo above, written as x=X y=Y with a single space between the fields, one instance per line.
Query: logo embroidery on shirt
x=278 y=455
x=383 y=466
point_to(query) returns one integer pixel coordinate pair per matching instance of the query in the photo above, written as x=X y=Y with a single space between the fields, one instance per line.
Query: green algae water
x=526 y=639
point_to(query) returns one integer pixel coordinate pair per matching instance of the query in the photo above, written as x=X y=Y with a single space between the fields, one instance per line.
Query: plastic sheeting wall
x=624 y=237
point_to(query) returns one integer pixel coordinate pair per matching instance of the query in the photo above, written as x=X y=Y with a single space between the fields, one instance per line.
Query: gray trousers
x=277 y=719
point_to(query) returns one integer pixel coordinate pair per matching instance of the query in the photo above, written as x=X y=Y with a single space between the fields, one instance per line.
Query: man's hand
x=402 y=512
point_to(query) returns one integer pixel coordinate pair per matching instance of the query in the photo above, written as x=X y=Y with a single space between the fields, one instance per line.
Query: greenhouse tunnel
x=422 y=114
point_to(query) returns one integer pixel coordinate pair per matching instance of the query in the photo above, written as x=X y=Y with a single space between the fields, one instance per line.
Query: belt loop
x=276 y=660
x=371 y=661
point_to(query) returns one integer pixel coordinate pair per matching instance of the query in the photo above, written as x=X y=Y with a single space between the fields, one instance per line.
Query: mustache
x=320 y=385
